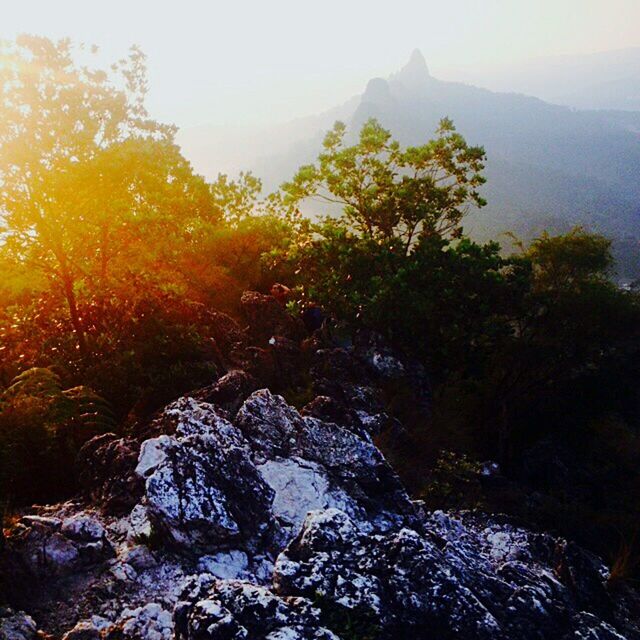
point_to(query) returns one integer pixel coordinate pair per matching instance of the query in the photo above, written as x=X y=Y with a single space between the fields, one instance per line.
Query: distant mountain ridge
x=549 y=166
x=603 y=80
x=544 y=161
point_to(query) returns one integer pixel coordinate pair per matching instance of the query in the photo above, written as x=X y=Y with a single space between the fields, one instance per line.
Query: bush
x=42 y=427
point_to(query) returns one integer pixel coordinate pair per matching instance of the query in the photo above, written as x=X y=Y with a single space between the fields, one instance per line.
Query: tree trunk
x=104 y=267
x=70 y=296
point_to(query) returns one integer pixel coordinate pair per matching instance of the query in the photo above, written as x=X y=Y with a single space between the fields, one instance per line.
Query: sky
x=254 y=62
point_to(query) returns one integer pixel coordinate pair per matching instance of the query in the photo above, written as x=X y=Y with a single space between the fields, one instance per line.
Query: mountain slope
x=545 y=162
x=549 y=167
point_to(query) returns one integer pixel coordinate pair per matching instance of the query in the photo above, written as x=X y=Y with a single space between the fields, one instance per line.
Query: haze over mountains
x=549 y=166
x=605 y=80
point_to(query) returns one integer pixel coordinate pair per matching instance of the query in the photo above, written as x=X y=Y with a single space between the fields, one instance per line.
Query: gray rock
x=230 y=391
x=83 y=527
x=139 y=557
x=105 y=468
x=463 y=576
x=349 y=469
x=16 y=625
x=269 y=424
x=240 y=610
x=202 y=490
x=301 y=486
x=225 y=564
x=150 y=622
x=91 y=629
x=60 y=554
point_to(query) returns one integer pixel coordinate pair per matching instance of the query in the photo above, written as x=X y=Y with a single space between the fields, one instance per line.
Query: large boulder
x=210 y=484
x=52 y=546
x=350 y=467
x=202 y=490
x=16 y=625
x=105 y=467
x=464 y=576
x=230 y=391
x=149 y=622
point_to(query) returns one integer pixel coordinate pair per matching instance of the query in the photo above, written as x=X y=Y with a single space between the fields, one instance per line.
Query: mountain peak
x=417 y=61
x=377 y=91
x=416 y=70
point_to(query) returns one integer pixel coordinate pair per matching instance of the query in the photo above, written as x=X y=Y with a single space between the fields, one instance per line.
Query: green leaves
x=237 y=199
x=385 y=191
x=78 y=408
x=93 y=190
x=42 y=427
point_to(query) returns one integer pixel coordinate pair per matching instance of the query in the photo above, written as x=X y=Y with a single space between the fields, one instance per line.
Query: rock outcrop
x=232 y=515
x=456 y=576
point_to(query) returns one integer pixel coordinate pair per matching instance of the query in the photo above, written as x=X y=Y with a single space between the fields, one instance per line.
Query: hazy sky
x=257 y=61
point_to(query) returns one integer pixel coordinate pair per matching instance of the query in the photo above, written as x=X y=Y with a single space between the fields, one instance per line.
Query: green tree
x=84 y=172
x=573 y=326
x=42 y=427
x=237 y=199
x=386 y=191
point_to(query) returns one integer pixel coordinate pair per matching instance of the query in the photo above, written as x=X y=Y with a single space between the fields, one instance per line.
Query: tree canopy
x=83 y=169
x=387 y=191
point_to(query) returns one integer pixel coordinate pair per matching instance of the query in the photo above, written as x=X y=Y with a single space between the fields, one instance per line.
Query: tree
x=574 y=330
x=238 y=198
x=42 y=427
x=82 y=162
x=386 y=191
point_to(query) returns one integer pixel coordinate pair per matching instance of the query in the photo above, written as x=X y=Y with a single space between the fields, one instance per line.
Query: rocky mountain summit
x=233 y=515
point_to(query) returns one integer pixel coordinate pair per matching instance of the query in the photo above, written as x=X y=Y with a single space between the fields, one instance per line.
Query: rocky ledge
x=232 y=515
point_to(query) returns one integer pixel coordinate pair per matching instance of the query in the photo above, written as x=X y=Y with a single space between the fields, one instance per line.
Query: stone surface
x=16 y=625
x=230 y=391
x=232 y=609
x=462 y=576
x=83 y=527
x=88 y=629
x=202 y=494
x=151 y=622
x=301 y=486
x=105 y=467
x=54 y=546
x=225 y=564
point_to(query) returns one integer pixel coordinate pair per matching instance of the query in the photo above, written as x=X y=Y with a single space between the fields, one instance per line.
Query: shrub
x=42 y=427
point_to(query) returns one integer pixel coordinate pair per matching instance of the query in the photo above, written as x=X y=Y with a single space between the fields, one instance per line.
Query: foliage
x=458 y=293
x=110 y=244
x=146 y=349
x=357 y=623
x=84 y=171
x=453 y=482
x=388 y=192
x=42 y=427
x=218 y=262
x=238 y=199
